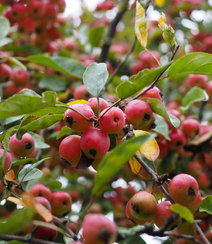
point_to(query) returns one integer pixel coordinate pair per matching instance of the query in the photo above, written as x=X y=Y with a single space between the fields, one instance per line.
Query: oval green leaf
x=4 y=27
x=162 y=128
x=197 y=63
x=113 y=162
x=63 y=65
x=137 y=82
x=206 y=205
x=184 y=212
x=95 y=35
x=95 y=77
x=53 y=83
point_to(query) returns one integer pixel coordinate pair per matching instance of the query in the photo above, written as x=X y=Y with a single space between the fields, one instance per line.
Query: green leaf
x=162 y=128
x=95 y=36
x=49 y=97
x=139 y=81
x=17 y=62
x=20 y=104
x=33 y=174
x=39 y=141
x=206 y=205
x=158 y=107
x=64 y=131
x=197 y=63
x=63 y=65
x=95 y=77
x=41 y=123
x=184 y=212
x=22 y=174
x=195 y=94
x=125 y=232
x=4 y=27
x=17 y=161
x=133 y=239
x=113 y=161
x=5 y=41
x=16 y=221
x=53 y=83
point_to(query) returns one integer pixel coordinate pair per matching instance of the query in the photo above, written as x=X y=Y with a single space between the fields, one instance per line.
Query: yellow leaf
x=10 y=176
x=162 y=22
x=30 y=201
x=160 y=3
x=134 y=164
x=149 y=149
x=140 y=25
x=17 y=201
x=77 y=101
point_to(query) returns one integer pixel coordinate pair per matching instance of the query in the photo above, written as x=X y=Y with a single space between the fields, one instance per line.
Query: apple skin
x=61 y=203
x=194 y=205
x=39 y=190
x=183 y=188
x=45 y=233
x=98 y=229
x=143 y=205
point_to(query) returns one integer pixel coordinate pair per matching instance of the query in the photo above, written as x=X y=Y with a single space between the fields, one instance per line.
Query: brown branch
x=111 y=32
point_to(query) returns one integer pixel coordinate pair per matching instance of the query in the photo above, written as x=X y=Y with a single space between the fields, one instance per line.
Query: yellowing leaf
x=17 y=201
x=10 y=176
x=134 y=164
x=160 y=3
x=149 y=149
x=162 y=22
x=30 y=201
x=141 y=25
x=77 y=101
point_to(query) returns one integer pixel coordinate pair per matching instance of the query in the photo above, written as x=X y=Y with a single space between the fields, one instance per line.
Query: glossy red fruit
x=9 y=90
x=112 y=121
x=18 y=11
x=163 y=145
x=148 y=61
x=26 y=25
x=138 y=113
x=5 y=72
x=61 y=203
x=93 y=103
x=70 y=149
x=183 y=188
x=19 y=76
x=197 y=80
x=24 y=147
x=7 y=163
x=36 y=9
x=2 y=190
x=98 y=229
x=45 y=233
x=81 y=93
x=209 y=89
x=178 y=139
x=190 y=127
x=39 y=190
x=143 y=205
x=153 y=93
x=94 y=143
x=203 y=181
x=75 y=121
x=104 y=6
x=51 y=11
x=194 y=205
x=194 y=168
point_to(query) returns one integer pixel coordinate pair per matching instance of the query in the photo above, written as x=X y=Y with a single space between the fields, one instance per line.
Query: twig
x=120 y=65
x=182 y=236
x=111 y=32
x=200 y=232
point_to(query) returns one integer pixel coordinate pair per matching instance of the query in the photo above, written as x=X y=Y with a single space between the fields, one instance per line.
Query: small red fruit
x=19 y=76
x=45 y=233
x=93 y=103
x=39 y=190
x=61 y=203
x=153 y=93
x=178 y=139
x=197 y=80
x=81 y=93
x=190 y=127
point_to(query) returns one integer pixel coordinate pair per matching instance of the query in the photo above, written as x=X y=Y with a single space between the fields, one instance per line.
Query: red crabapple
x=75 y=121
x=190 y=127
x=153 y=93
x=183 y=188
x=143 y=205
x=163 y=211
x=138 y=113
x=197 y=80
x=178 y=139
x=209 y=89
x=163 y=146
x=36 y=9
x=98 y=229
x=2 y=190
x=18 y=11
x=93 y=103
x=61 y=203
x=81 y=93
x=194 y=168
x=39 y=190
x=19 y=76
x=45 y=233
x=203 y=181
x=112 y=121
x=106 y=5
x=5 y=72
x=23 y=147
x=51 y=11
x=7 y=163
x=148 y=61
x=26 y=25
x=70 y=149
x=194 y=205
x=94 y=143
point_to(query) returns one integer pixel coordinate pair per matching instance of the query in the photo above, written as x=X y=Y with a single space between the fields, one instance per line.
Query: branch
x=111 y=32
x=24 y=239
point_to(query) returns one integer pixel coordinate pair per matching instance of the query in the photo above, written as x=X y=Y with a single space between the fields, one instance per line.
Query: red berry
x=190 y=127
x=61 y=203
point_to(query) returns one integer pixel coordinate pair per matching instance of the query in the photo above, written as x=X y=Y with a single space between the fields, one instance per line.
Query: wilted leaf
x=17 y=201
x=30 y=201
x=134 y=164
x=150 y=148
x=184 y=212
x=140 y=25
x=10 y=176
